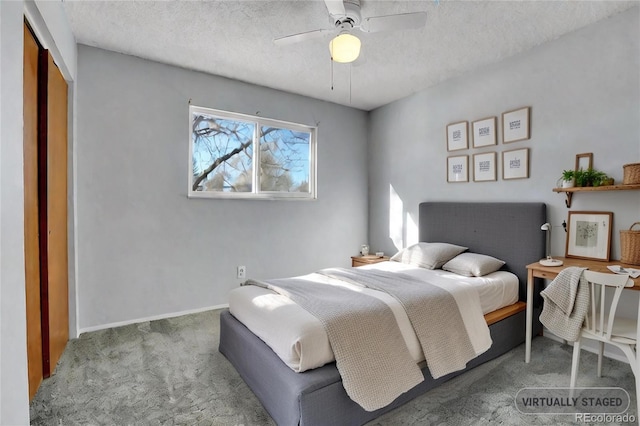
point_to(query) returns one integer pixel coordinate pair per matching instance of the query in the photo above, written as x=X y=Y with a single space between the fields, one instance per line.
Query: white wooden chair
x=602 y=326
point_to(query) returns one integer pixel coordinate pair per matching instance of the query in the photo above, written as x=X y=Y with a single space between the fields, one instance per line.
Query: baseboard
x=152 y=318
x=591 y=346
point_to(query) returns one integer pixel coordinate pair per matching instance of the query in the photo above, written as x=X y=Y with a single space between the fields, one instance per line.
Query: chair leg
x=600 y=351
x=638 y=394
x=575 y=362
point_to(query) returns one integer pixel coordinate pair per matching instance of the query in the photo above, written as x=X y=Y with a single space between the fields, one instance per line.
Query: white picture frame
x=515 y=164
x=458 y=169
x=484 y=132
x=515 y=125
x=589 y=235
x=457 y=136
x=484 y=167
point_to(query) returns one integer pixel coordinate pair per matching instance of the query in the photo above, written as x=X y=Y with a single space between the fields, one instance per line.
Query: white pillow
x=473 y=264
x=428 y=255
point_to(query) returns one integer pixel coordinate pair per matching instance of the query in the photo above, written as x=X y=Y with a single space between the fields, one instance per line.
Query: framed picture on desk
x=589 y=235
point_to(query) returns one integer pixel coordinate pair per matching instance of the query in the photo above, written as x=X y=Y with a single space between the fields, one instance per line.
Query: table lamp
x=549 y=261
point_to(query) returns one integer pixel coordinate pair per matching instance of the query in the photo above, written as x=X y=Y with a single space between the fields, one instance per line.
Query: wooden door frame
x=31 y=212
x=48 y=274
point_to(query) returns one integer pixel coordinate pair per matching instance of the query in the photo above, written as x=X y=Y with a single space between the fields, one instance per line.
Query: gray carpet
x=169 y=372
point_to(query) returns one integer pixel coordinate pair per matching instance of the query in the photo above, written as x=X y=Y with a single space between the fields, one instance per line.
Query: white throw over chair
x=602 y=325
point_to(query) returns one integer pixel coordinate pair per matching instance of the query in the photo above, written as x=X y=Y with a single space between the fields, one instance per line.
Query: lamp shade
x=344 y=48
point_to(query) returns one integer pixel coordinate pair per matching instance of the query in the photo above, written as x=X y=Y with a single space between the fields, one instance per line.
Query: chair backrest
x=598 y=312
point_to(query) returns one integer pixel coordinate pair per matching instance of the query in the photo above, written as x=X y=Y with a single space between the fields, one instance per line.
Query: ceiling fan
x=346 y=17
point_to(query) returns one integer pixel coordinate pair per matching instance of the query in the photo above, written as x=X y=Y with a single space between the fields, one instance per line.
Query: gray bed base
x=509 y=231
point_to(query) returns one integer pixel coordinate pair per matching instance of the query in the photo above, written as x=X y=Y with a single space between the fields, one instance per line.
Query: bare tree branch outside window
x=240 y=155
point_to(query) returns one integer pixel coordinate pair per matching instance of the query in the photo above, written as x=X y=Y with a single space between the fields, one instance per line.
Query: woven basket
x=630 y=246
x=631 y=174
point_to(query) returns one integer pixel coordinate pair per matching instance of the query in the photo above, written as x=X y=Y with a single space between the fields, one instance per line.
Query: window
x=242 y=156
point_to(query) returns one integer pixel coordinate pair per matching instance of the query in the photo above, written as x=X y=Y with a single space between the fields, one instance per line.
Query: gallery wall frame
x=484 y=132
x=458 y=169
x=516 y=125
x=515 y=164
x=589 y=235
x=484 y=167
x=457 y=136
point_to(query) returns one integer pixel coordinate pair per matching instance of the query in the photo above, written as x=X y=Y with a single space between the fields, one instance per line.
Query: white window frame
x=256 y=193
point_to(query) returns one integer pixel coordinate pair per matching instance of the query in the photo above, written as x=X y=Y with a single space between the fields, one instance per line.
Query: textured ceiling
x=235 y=39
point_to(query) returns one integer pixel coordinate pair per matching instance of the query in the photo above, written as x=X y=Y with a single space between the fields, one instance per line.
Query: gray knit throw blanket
x=566 y=302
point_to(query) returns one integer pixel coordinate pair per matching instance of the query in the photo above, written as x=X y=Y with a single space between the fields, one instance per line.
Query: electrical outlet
x=241 y=271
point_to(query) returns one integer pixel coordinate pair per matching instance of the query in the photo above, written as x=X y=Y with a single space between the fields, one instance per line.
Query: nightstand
x=367 y=260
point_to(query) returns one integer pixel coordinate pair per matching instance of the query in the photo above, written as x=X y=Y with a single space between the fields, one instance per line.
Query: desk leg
x=637 y=360
x=527 y=342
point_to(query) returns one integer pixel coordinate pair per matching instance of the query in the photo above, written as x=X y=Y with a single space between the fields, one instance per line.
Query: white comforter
x=299 y=339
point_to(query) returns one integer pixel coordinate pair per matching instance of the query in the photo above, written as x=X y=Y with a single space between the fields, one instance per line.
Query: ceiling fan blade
x=295 y=38
x=403 y=21
x=335 y=7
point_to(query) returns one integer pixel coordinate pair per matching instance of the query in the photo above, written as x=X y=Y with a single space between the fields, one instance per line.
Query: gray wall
x=145 y=249
x=584 y=91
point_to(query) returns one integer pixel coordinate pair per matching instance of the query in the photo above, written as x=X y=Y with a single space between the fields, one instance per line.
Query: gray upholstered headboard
x=508 y=231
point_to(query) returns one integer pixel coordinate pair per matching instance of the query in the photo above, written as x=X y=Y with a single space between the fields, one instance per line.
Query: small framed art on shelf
x=584 y=161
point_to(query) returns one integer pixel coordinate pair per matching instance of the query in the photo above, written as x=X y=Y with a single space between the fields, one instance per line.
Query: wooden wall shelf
x=569 y=191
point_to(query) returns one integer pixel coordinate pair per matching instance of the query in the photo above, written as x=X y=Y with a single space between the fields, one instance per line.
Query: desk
x=536 y=270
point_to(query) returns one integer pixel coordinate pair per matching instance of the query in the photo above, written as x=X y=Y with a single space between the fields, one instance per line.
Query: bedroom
x=579 y=104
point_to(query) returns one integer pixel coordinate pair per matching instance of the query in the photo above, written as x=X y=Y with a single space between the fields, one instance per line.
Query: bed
x=508 y=231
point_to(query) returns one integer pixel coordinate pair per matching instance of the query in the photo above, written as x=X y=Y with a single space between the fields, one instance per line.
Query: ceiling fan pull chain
x=350 y=68
x=331 y=60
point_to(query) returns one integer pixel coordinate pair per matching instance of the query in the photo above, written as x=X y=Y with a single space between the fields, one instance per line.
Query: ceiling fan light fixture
x=345 y=48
